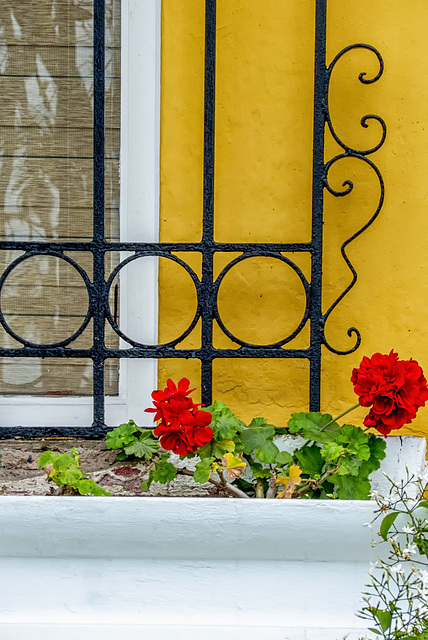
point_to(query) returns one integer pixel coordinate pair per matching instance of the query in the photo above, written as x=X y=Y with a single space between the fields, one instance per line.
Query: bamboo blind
x=46 y=180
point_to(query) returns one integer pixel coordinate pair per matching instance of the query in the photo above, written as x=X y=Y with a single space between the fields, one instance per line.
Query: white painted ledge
x=162 y=567
x=183 y=568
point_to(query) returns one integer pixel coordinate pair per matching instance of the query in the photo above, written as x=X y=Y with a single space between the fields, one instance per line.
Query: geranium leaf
x=145 y=485
x=290 y=481
x=145 y=448
x=284 y=458
x=47 y=457
x=331 y=451
x=121 y=435
x=310 y=460
x=377 y=448
x=202 y=470
x=234 y=465
x=224 y=423
x=352 y=435
x=268 y=452
x=69 y=476
x=255 y=437
x=88 y=486
x=164 y=472
x=310 y=423
x=259 y=471
x=64 y=461
x=351 y=487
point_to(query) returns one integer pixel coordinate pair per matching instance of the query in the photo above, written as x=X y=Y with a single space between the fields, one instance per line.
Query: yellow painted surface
x=263 y=172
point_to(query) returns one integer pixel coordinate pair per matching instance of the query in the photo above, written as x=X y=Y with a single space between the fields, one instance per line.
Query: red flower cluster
x=393 y=388
x=183 y=428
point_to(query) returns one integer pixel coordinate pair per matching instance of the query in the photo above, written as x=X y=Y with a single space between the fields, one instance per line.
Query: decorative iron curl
x=365 y=119
x=349 y=187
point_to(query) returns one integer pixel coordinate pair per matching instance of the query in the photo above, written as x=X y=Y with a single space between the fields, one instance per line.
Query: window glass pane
x=46 y=173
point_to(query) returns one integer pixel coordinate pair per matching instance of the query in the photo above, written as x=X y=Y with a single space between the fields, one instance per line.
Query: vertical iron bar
x=208 y=202
x=320 y=86
x=98 y=232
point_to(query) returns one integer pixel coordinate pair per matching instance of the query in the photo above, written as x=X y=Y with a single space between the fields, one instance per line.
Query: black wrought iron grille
x=207 y=287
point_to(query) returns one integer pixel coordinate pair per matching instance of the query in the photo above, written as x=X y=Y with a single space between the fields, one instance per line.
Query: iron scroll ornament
x=348 y=185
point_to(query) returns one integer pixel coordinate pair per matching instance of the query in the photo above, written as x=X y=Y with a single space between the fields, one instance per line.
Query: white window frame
x=139 y=222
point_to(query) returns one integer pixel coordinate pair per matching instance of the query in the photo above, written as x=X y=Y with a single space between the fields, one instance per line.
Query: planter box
x=182 y=568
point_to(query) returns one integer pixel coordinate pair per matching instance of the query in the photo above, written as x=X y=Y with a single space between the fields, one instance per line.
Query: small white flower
x=374 y=494
x=367 y=524
x=410 y=549
x=408 y=530
x=373 y=566
x=392 y=540
x=398 y=569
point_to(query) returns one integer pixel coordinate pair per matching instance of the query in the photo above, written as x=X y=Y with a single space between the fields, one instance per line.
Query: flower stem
x=259 y=488
x=340 y=416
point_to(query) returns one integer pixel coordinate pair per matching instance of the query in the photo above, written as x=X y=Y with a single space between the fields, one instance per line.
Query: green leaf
x=349 y=467
x=310 y=423
x=284 y=458
x=145 y=447
x=377 y=448
x=69 y=476
x=258 y=422
x=331 y=451
x=259 y=471
x=356 y=440
x=423 y=504
x=164 y=472
x=354 y=436
x=387 y=523
x=202 y=470
x=223 y=428
x=268 y=452
x=121 y=435
x=47 y=457
x=224 y=423
x=255 y=437
x=145 y=485
x=63 y=461
x=215 y=449
x=310 y=460
x=89 y=486
x=384 y=617
x=349 y=487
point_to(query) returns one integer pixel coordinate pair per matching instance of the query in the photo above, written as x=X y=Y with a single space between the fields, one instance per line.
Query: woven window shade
x=46 y=181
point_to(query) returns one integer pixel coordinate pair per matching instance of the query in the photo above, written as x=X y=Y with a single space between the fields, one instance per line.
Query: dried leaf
x=49 y=470
x=234 y=465
x=290 y=482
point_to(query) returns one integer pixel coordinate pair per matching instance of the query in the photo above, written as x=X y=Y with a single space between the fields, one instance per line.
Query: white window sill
x=186 y=567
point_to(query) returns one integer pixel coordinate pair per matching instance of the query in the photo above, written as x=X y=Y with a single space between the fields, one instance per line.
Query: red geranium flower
x=182 y=427
x=196 y=428
x=393 y=388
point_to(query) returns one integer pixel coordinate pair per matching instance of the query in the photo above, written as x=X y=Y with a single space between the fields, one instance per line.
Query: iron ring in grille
x=56 y=254
x=296 y=269
x=144 y=254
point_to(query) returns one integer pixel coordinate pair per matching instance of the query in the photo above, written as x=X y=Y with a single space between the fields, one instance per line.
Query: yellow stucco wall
x=263 y=175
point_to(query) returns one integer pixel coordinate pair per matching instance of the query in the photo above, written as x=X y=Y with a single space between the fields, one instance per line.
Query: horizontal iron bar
x=157 y=352
x=253 y=247
x=96 y=433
